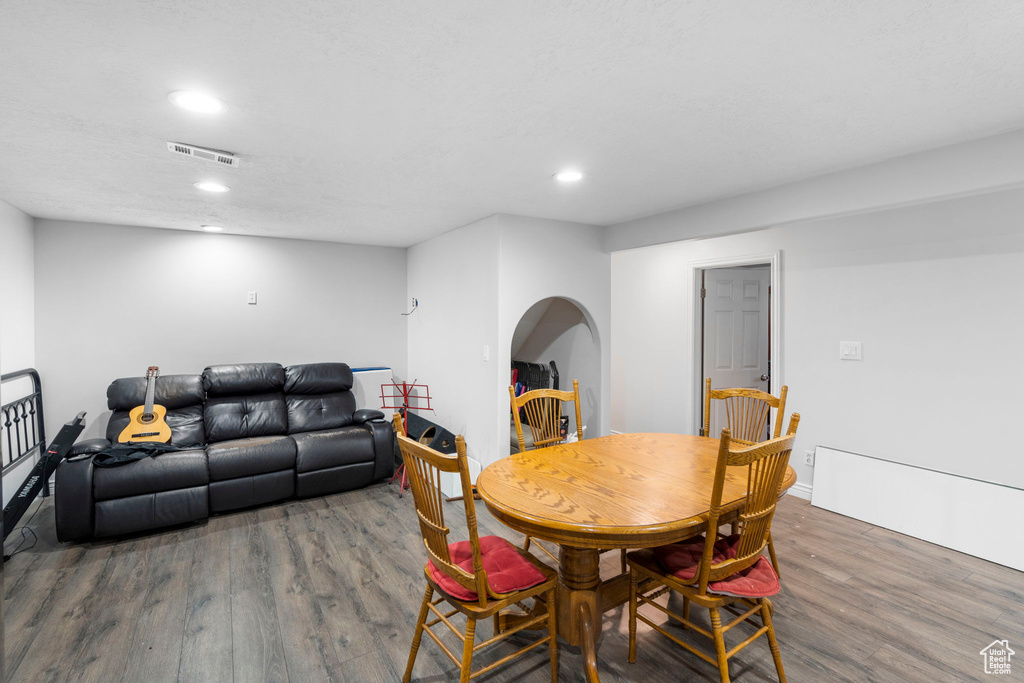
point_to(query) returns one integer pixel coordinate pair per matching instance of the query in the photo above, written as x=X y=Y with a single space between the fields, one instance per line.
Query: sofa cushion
x=166 y=472
x=332 y=447
x=308 y=413
x=151 y=511
x=334 y=479
x=317 y=378
x=243 y=457
x=257 y=489
x=187 y=428
x=182 y=395
x=240 y=417
x=243 y=378
x=170 y=391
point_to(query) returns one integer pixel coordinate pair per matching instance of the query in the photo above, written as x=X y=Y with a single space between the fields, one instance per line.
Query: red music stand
x=403 y=392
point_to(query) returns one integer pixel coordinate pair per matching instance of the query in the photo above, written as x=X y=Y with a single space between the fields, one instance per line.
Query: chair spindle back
x=766 y=464
x=746 y=411
x=543 y=409
x=424 y=466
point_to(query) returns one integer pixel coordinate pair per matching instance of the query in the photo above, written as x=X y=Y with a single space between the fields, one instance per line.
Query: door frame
x=773 y=260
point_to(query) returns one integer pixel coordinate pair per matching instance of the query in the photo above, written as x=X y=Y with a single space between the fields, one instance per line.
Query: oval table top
x=612 y=491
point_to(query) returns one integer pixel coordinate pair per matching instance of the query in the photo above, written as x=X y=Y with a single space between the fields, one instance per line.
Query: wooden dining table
x=619 y=491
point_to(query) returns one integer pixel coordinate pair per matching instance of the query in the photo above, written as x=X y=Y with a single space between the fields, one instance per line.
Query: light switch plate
x=850 y=350
x=251 y=298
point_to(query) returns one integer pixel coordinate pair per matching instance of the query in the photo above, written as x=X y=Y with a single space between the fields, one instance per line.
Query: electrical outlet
x=251 y=298
x=809 y=458
x=415 y=302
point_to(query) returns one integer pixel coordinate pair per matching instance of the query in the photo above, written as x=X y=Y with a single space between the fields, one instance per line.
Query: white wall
x=455 y=278
x=112 y=300
x=17 y=320
x=562 y=334
x=931 y=290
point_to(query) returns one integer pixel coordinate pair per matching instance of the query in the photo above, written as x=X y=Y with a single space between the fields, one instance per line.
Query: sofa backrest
x=244 y=400
x=318 y=396
x=182 y=395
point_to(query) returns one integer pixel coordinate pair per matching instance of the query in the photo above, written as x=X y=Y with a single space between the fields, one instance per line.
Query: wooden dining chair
x=543 y=410
x=721 y=573
x=477 y=577
x=747 y=413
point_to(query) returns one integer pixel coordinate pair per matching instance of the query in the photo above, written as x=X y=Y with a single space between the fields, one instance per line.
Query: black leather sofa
x=261 y=433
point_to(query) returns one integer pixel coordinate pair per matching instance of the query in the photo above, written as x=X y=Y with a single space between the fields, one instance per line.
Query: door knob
x=765 y=378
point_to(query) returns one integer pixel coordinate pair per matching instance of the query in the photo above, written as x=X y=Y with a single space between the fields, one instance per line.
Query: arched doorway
x=557 y=329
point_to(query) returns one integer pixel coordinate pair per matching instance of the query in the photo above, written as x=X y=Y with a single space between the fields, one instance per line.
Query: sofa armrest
x=383 y=448
x=73 y=502
x=88 y=446
x=366 y=414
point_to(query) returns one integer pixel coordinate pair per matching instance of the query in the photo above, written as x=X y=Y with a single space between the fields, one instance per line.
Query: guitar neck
x=150 y=394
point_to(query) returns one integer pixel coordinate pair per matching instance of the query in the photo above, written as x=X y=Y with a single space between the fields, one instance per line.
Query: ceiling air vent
x=217 y=156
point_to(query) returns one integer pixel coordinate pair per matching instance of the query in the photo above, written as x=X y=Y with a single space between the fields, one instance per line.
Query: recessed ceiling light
x=210 y=186
x=196 y=101
x=568 y=176
x=212 y=228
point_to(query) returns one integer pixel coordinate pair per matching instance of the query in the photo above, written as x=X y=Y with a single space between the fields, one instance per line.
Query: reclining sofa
x=256 y=433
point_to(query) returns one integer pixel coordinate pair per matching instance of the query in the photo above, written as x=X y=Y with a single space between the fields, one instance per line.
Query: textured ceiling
x=390 y=122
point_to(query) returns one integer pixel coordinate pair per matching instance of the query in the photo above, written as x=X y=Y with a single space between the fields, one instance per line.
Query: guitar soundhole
x=146 y=419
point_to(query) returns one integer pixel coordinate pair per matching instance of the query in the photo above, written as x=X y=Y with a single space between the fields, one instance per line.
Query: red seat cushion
x=681 y=560
x=506 y=569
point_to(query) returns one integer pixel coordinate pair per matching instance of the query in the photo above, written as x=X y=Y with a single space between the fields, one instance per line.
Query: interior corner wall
x=543 y=258
x=931 y=290
x=113 y=300
x=455 y=278
x=17 y=319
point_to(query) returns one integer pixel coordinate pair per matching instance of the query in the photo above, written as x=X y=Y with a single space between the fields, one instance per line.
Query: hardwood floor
x=328 y=589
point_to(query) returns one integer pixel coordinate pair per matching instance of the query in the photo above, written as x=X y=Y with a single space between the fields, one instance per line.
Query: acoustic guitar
x=146 y=422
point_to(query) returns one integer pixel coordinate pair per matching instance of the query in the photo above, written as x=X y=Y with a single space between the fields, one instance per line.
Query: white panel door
x=735 y=331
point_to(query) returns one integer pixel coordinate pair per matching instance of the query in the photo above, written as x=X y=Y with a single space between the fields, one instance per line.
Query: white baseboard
x=615 y=432
x=937 y=507
x=800 y=490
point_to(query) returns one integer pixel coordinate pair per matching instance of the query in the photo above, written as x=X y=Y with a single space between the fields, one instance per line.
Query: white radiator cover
x=957 y=512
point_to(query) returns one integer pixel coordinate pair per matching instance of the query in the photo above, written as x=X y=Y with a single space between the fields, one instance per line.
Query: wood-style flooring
x=329 y=588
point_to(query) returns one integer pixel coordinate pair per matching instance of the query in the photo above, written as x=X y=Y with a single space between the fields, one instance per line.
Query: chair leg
x=467 y=651
x=771 y=553
x=526 y=543
x=716 y=632
x=418 y=634
x=686 y=610
x=622 y=561
x=634 y=580
x=553 y=634
x=766 y=617
x=497 y=623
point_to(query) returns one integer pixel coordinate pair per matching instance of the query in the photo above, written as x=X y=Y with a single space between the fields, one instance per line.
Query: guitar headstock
x=153 y=371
